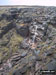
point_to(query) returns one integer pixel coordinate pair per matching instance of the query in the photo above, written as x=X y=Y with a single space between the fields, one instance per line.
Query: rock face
x=24 y=29
x=6 y=29
x=27 y=40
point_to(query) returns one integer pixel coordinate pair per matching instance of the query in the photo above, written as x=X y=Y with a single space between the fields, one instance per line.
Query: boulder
x=22 y=30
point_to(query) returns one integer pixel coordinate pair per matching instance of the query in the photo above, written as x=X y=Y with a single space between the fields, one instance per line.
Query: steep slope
x=27 y=40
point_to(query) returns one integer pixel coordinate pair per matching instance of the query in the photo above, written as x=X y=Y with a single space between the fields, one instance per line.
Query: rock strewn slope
x=16 y=55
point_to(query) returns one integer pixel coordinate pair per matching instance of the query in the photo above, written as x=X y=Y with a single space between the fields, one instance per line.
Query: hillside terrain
x=27 y=40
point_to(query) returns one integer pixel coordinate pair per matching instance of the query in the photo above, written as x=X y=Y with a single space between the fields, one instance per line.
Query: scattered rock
x=51 y=65
x=27 y=40
x=48 y=53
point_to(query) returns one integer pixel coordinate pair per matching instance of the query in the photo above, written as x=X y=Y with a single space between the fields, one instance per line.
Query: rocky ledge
x=27 y=40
